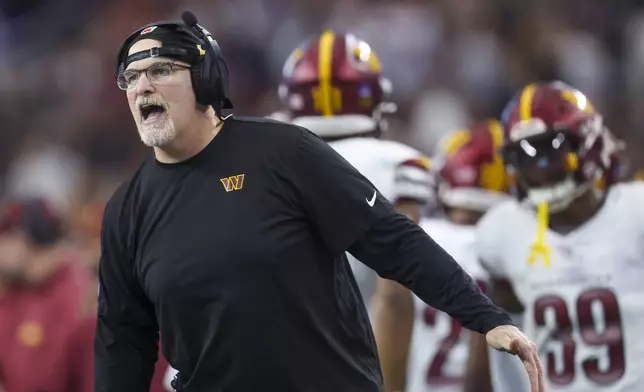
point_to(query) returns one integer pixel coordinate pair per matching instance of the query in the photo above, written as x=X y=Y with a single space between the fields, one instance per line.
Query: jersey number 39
x=606 y=332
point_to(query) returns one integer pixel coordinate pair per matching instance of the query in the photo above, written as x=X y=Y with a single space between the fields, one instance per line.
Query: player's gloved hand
x=510 y=339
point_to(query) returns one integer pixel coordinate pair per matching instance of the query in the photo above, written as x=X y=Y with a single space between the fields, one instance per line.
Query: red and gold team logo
x=233 y=183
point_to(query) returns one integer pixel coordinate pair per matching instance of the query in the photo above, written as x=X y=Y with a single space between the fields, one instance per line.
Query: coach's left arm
x=350 y=214
x=400 y=250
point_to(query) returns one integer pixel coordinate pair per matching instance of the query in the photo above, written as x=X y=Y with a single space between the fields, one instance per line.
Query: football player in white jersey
x=470 y=180
x=333 y=86
x=569 y=252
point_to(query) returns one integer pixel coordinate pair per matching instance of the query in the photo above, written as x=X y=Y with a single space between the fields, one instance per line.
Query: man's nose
x=144 y=86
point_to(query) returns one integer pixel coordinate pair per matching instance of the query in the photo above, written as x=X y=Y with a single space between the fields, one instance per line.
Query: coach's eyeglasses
x=157 y=73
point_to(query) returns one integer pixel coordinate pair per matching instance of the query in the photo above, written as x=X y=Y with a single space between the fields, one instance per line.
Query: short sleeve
x=487 y=245
x=412 y=180
x=340 y=203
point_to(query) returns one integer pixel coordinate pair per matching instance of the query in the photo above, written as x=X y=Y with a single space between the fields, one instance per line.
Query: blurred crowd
x=68 y=138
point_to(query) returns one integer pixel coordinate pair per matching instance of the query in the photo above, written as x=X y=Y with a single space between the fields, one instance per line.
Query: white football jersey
x=585 y=311
x=439 y=346
x=397 y=170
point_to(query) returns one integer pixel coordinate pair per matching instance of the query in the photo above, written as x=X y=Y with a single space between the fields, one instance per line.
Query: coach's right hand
x=510 y=339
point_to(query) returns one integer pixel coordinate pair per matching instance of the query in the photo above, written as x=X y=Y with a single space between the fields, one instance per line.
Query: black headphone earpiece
x=209 y=75
x=213 y=75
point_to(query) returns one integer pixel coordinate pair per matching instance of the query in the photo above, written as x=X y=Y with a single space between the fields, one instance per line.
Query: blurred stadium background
x=67 y=134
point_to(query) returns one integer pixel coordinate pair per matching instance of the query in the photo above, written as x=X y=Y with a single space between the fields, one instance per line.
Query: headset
x=209 y=73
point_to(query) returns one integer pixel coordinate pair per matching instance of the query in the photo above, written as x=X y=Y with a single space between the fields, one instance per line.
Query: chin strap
x=540 y=248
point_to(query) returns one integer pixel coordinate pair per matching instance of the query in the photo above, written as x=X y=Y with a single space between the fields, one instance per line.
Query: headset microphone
x=189 y=18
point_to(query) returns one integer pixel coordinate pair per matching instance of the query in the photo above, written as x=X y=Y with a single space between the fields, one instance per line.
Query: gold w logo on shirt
x=233 y=183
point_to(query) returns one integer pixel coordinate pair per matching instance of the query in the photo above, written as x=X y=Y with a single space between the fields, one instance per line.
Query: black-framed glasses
x=157 y=73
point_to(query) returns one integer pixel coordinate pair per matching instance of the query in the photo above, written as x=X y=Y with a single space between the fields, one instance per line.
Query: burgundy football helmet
x=556 y=145
x=332 y=85
x=470 y=169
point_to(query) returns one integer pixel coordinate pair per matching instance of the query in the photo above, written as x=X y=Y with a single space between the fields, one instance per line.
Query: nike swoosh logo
x=372 y=202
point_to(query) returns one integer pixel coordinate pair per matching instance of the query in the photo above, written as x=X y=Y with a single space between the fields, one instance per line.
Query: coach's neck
x=191 y=140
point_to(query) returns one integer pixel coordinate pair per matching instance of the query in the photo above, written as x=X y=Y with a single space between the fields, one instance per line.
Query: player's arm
x=126 y=340
x=348 y=213
x=393 y=321
x=393 y=304
x=477 y=374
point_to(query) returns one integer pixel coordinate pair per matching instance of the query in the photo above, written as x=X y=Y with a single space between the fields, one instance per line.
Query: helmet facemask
x=547 y=167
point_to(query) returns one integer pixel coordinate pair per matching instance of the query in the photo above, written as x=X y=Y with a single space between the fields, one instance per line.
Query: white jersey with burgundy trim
x=439 y=348
x=439 y=345
x=398 y=171
x=584 y=309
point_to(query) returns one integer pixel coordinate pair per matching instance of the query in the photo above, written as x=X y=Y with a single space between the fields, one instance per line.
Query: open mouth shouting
x=151 y=112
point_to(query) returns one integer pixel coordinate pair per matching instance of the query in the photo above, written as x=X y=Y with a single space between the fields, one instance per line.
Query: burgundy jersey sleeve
x=412 y=181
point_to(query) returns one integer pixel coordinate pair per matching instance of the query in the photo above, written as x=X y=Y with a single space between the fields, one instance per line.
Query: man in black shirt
x=230 y=240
